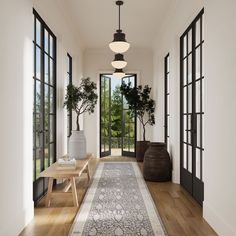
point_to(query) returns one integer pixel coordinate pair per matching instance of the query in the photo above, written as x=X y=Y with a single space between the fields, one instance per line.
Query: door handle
x=40 y=131
x=191 y=130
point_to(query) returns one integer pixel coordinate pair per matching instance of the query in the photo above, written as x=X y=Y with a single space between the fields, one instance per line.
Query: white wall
x=219 y=206
x=220 y=126
x=140 y=61
x=179 y=17
x=60 y=24
x=16 y=116
x=16 y=99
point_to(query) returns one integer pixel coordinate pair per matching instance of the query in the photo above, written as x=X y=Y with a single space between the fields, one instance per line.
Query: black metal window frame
x=69 y=81
x=167 y=97
x=46 y=82
x=103 y=150
x=192 y=110
x=132 y=121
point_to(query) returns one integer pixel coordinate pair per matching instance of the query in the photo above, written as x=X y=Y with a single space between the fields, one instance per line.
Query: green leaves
x=140 y=103
x=81 y=99
x=116 y=113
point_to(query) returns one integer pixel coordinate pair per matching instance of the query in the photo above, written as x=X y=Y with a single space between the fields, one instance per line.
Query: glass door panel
x=128 y=123
x=105 y=119
x=44 y=117
x=192 y=110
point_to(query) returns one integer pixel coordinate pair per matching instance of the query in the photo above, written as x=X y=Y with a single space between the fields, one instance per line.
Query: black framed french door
x=105 y=116
x=129 y=124
x=192 y=108
x=44 y=103
x=167 y=100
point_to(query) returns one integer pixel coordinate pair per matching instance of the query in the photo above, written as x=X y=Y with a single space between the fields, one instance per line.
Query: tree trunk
x=77 y=123
x=144 y=133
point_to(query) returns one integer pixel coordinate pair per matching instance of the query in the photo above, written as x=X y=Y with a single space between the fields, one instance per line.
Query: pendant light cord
x=119 y=17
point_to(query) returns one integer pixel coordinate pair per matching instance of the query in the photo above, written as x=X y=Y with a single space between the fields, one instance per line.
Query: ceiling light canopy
x=119 y=43
x=119 y=62
x=119 y=73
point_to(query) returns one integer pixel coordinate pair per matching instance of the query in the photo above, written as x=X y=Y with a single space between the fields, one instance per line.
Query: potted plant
x=80 y=100
x=143 y=107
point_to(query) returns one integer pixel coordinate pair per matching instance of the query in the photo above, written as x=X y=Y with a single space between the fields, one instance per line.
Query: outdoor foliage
x=116 y=113
x=81 y=99
x=140 y=104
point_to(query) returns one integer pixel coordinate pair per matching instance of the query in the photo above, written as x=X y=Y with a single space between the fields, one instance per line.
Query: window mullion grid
x=104 y=138
x=34 y=114
x=43 y=97
x=187 y=101
x=109 y=126
x=49 y=105
x=194 y=116
x=201 y=102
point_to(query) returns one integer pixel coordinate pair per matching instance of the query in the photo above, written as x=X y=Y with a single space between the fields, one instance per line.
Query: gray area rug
x=118 y=203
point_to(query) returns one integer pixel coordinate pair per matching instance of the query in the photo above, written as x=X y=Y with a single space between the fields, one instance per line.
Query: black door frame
x=128 y=153
x=40 y=184
x=107 y=153
x=167 y=99
x=188 y=180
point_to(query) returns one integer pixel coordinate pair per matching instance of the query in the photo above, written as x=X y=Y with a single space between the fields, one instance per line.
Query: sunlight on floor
x=116 y=152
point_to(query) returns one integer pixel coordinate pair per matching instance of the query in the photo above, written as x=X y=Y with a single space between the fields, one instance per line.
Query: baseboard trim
x=29 y=215
x=221 y=227
x=175 y=177
x=19 y=223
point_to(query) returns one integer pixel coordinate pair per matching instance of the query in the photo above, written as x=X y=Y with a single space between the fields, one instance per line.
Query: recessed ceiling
x=97 y=20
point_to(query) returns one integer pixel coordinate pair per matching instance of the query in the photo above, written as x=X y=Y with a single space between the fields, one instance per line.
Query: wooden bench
x=52 y=172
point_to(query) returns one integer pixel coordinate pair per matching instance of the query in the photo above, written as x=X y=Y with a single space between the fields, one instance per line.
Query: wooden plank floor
x=181 y=215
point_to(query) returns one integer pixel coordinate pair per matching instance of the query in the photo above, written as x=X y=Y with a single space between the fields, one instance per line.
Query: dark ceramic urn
x=157 y=164
x=141 y=148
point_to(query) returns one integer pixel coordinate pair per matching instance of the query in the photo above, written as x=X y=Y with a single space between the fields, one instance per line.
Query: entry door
x=128 y=123
x=44 y=104
x=105 y=116
x=192 y=109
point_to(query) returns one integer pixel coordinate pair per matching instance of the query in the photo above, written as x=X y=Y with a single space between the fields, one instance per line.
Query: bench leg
x=48 y=197
x=87 y=169
x=74 y=191
x=67 y=187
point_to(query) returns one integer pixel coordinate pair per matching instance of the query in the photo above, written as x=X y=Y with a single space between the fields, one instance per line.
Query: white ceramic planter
x=77 y=145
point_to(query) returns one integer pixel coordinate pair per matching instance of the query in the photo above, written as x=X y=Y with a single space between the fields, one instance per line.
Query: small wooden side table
x=52 y=172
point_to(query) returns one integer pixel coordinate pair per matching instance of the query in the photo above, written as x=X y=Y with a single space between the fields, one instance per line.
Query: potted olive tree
x=80 y=100
x=143 y=107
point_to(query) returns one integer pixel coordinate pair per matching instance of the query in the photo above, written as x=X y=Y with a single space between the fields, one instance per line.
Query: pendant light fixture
x=119 y=43
x=119 y=62
x=119 y=73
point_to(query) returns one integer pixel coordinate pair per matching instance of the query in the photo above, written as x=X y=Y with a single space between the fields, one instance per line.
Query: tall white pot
x=77 y=145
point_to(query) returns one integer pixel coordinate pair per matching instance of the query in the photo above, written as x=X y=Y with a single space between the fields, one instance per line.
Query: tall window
x=44 y=103
x=69 y=81
x=192 y=107
x=167 y=99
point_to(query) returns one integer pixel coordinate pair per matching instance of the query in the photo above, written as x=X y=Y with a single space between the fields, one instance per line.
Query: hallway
x=181 y=55
x=181 y=215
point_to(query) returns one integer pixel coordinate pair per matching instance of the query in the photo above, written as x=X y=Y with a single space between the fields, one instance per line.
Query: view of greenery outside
x=105 y=106
x=36 y=128
x=119 y=117
x=116 y=118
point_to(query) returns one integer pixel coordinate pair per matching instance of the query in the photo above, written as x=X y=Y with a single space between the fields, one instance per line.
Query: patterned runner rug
x=118 y=202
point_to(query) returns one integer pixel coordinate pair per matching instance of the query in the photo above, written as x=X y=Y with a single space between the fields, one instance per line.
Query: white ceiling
x=97 y=20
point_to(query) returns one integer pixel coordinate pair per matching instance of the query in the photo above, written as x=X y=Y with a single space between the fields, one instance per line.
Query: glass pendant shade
x=119 y=62
x=119 y=73
x=119 y=44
